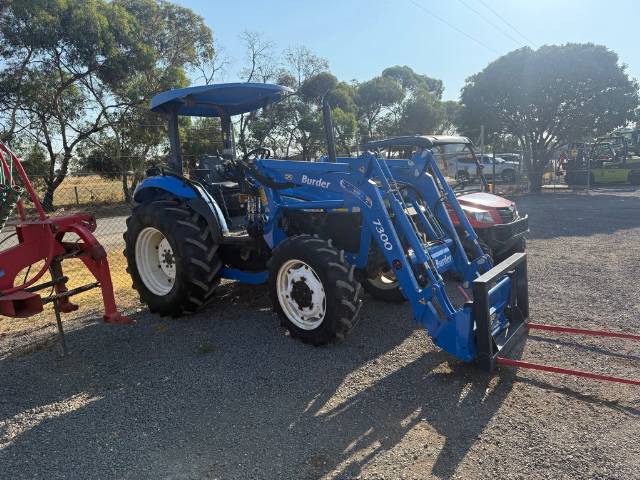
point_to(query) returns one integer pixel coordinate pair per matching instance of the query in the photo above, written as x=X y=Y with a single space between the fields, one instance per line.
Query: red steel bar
x=25 y=181
x=582 y=331
x=564 y=371
x=7 y=173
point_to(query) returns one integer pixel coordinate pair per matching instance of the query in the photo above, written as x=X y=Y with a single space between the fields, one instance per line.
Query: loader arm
x=373 y=187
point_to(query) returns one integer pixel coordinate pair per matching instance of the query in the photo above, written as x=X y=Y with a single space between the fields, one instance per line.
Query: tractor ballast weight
x=393 y=209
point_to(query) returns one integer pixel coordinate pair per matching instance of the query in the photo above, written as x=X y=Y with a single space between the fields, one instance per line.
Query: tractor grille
x=507 y=214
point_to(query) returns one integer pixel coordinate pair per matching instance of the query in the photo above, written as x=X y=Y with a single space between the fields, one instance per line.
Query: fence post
x=75 y=189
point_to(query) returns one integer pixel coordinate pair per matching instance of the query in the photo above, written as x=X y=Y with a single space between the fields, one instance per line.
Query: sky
x=449 y=40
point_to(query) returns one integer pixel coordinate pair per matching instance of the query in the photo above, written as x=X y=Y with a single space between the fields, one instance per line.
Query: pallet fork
x=42 y=239
x=493 y=346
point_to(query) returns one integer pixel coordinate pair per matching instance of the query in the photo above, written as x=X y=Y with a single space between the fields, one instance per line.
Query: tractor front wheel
x=314 y=289
x=172 y=257
x=384 y=286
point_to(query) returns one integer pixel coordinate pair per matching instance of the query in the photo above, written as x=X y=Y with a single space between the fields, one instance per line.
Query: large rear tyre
x=172 y=257
x=313 y=289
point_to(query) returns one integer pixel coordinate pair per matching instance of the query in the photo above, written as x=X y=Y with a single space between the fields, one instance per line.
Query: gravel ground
x=226 y=394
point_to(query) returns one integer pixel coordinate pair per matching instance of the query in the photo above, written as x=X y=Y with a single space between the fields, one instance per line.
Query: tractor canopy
x=220 y=100
x=422 y=141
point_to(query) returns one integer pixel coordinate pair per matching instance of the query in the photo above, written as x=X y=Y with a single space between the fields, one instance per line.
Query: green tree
x=57 y=56
x=451 y=113
x=200 y=137
x=177 y=40
x=73 y=69
x=345 y=125
x=373 y=97
x=293 y=126
x=422 y=113
x=548 y=97
x=410 y=80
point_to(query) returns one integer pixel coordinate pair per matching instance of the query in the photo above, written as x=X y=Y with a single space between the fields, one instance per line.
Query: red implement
x=43 y=240
x=568 y=371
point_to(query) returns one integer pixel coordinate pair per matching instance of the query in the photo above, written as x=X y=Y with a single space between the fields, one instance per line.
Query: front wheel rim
x=155 y=261
x=385 y=280
x=301 y=294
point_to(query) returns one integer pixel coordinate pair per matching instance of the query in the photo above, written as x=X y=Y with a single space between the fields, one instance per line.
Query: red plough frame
x=43 y=240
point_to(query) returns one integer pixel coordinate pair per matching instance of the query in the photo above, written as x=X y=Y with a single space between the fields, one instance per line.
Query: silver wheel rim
x=386 y=280
x=301 y=294
x=155 y=261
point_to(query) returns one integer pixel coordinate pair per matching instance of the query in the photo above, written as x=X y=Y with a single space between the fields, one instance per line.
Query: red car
x=496 y=221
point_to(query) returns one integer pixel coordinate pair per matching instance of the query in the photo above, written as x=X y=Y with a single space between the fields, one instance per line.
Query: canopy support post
x=175 y=155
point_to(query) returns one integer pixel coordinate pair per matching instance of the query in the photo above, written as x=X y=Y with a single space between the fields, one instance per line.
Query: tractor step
x=20 y=304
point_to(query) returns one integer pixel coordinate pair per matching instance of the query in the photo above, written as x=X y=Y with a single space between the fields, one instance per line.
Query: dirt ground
x=226 y=394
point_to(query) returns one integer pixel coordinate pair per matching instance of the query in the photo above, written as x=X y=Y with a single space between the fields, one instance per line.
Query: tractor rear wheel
x=172 y=257
x=314 y=289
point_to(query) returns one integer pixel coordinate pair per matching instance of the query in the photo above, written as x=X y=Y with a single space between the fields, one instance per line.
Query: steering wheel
x=259 y=153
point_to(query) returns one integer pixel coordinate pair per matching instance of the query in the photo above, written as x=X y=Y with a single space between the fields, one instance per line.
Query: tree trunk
x=539 y=160
x=125 y=188
x=47 y=199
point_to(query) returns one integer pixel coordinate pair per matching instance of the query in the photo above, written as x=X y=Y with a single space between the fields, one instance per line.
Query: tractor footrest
x=488 y=342
x=20 y=304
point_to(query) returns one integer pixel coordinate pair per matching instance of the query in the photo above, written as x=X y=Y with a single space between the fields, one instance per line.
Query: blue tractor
x=313 y=230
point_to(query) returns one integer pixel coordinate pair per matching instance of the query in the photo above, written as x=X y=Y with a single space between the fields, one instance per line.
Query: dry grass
x=90 y=190
x=84 y=190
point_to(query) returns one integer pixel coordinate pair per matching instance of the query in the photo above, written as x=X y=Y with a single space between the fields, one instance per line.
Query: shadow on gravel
x=581 y=346
x=225 y=394
x=590 y=399
x=604 y=211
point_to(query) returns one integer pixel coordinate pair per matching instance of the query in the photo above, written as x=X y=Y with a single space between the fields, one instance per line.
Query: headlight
x=482 y=217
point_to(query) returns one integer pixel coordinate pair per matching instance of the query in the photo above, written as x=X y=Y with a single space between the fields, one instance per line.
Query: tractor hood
x=484 y=200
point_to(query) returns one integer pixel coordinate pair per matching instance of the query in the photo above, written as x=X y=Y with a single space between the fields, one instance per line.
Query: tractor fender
x=152 y=188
